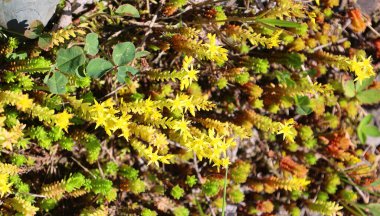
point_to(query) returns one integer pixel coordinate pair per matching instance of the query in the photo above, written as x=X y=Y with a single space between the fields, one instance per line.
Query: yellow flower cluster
x=286 y=129
x=361 y=67
x=10 y=137
x=186 y=75
x=140 y=123
x=214 y=52
x=5 y=171
x=25 y=104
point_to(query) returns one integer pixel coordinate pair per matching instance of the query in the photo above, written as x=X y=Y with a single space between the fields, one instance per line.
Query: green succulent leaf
x=69 y=60
x=279 y=23
x=92 y=44
x=128 y=10
x=98 y=67
x=57 y=83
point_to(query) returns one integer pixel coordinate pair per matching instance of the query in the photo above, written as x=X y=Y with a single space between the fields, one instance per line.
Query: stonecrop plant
x=183 y=107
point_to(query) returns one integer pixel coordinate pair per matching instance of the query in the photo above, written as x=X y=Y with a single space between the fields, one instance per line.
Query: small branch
x=83 y=167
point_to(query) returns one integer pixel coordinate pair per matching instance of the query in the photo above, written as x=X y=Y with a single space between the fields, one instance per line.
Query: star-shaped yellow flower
x=62 y=120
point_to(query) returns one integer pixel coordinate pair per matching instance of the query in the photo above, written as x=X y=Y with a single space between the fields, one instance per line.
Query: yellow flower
x=183 y=128
x=4 y=186
x=24 y=103
x=62 y=120
x=362 y=69
x=214 y=52
x=286 y=129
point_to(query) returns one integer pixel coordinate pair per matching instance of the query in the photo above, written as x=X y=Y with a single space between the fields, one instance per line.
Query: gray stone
x=17 y=15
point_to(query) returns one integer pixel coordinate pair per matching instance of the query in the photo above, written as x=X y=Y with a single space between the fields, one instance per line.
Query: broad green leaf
x=374 y=208
x=98 y=67
x=303 y=105
x=57 y=83
x=292 y=60
x=92 y=43
x=123 y=53
x=69 y=60
x=35 y=30
x=279 y=23
x=360 y=129
x=375 y=183
x=44 y=41
x=132 y=70
x=371 y=130
x=365 y=83
x=128 y=10
x=370 y=96
x=121 y=74
x=349 y=89
x=141 y=54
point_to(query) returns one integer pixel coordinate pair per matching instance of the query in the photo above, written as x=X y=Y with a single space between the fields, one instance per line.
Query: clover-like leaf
x=303 y=105
x=365 y=129
x=98 y=67
x=44 y=41
x=349 y=89
x=69 y=60
x=360 y=86
x=57 y=83
x=35 y=29
x=121 y=74
x=91 y=46
x=141 y=54
x=370 y=96
x=123 y=53
x=128 y=10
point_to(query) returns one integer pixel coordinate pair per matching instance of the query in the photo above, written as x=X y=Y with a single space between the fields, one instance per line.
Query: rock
x=17 y=15
x=369 y=6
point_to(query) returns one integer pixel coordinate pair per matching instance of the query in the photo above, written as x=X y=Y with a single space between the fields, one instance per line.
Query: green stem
x=225 y=192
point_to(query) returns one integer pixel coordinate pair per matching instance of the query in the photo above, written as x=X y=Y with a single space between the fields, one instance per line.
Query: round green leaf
x=92 y=44
x=123 y=53
x=57 y=83
x=128 y=10
x=44 y=41
x=349 y=89
x=370 y=96
x=122 y=74
x=69 y=60
x=98 y=67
